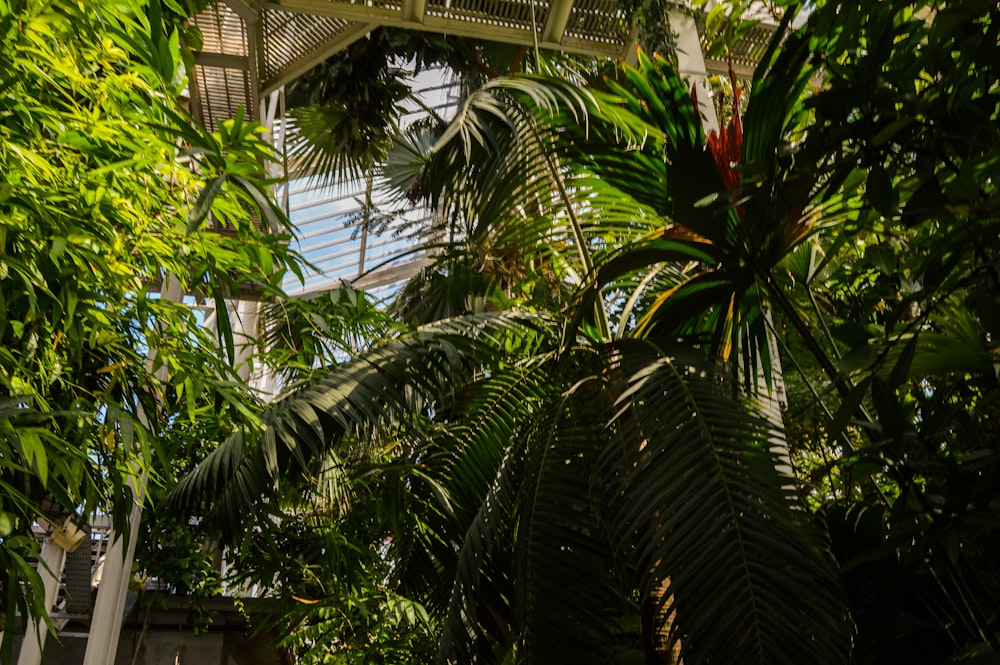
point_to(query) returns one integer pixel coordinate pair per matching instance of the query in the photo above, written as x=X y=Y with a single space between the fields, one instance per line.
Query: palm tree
x=562 y=481
x=555 y=481
x=550 y=490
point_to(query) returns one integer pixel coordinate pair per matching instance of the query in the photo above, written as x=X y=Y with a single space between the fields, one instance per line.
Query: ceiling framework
x=745 y=54
x=254 y=47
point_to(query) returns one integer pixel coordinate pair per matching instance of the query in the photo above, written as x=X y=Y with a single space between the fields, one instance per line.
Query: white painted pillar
x=50 y=568
x=245 y=314
x=106 y=623
x=691 y=65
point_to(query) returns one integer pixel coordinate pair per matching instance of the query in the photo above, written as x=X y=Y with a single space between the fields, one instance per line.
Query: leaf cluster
x=98 y=361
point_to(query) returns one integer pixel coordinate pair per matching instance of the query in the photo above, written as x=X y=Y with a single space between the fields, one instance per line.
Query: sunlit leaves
x=94 y=201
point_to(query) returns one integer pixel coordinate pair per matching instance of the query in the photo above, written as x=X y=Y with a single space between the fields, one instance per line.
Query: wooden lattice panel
x=517 y=14
x=222 y=30
x=253 y=47
x=222 y=92
x=746 y=53
x=222 y=82
x=597 y=22
x=750 y=49
x=394 y=6
x=291 y=38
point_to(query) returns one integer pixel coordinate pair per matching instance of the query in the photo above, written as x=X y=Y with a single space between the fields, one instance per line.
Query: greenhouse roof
x=254 y=47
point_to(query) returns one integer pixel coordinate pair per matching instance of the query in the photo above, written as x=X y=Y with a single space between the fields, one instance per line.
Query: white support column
x=244 y=315
x=555 y=25
x=106 y=623
x=52 y=558
x=691 y=65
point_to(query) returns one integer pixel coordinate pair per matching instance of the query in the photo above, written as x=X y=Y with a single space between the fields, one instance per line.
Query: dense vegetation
x=568 y=450
x=563 y=487
x=102 y=379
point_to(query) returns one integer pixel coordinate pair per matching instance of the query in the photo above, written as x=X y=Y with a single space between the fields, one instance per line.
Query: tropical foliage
x=110 y=197
x=591 y=496
x=565 y=453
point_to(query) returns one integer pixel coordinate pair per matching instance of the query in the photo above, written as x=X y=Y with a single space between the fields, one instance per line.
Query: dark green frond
x=464 y=454
x=710 y=514
x=475 y=617
x=567 y=597
x=329 y=143
x=387 y=384
x=483 y=469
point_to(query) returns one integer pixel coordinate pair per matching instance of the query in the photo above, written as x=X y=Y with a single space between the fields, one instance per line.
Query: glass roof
x=328 y=218
x=252 y=48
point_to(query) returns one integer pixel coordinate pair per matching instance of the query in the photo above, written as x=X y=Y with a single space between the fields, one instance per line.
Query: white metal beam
x=52 y=558
x=453 y=26
x=691 y=65
x=558 y=19
x=106 y=623
x=413 y=10
x=257 y=60
x=221 y=60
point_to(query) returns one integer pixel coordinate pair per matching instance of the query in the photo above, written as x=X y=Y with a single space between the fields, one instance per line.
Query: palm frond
x=483 y=469
x=517 y=431
x=320 y=329
x=567 y=596
x=464 y=455
x=711 y=516
x=474 y=618
x=403 y=169
x=385 y=385
x=329 y=144
x=671 y=485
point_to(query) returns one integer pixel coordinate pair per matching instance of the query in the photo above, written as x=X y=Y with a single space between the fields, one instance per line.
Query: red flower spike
x=726 y=145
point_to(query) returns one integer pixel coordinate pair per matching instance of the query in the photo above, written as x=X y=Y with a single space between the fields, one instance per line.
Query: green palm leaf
x=524 y=579
x=568 y=596
x=468 y=458
x=382 y=386
x=599 y=500
x=709 y=514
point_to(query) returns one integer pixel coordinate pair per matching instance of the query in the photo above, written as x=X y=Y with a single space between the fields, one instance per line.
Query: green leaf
x=890 y=130
x=858 y=358
x=688 y=446
x=204 y=203
x=34 y=454
x=880 y=191
x=901 y=370
x=7 y=524
x=265 y=204
x=891 y=415
x=848 y=409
